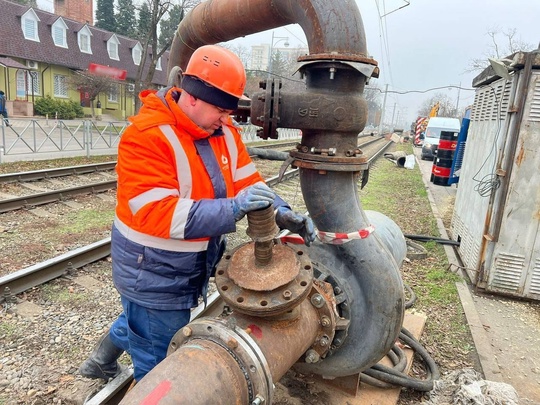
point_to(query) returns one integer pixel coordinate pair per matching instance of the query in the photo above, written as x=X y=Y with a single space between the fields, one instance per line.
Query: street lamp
x=286 y=39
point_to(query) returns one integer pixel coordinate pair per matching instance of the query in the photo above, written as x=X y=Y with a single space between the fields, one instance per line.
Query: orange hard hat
x=218 y=67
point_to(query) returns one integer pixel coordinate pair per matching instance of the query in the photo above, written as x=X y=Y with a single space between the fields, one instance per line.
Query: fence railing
x=59 y=138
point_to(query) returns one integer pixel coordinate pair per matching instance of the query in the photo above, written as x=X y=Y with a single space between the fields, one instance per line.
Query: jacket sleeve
x=148 y=190
x=247 y=173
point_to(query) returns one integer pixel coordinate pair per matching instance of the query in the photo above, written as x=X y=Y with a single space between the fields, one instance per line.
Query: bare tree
x=241 y=51
x=91 y=84
x=372 y=94
x=152 y=51
x=447 y=106
x=503 y=43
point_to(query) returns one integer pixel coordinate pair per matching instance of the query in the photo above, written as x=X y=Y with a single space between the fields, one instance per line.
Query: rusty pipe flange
x=264 y=291
x=239 y=344
x=333 y=56
x=330 y=163
x=323 y=299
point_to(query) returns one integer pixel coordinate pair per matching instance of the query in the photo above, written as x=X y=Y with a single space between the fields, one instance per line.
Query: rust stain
x=520 y=156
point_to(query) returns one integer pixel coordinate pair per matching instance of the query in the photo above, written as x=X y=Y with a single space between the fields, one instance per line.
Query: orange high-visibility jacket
x=169 y=219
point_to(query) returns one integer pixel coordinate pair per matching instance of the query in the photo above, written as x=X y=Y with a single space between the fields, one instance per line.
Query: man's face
x=208 y=116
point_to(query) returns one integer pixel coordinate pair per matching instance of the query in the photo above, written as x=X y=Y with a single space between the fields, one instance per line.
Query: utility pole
x=382 y=110
x=393 y=115
x=457 y=103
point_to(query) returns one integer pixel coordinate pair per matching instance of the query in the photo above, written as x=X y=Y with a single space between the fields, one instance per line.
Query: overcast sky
x=428 y=44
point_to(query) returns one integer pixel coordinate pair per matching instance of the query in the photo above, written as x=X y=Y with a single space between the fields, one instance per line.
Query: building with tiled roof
x=39 y=51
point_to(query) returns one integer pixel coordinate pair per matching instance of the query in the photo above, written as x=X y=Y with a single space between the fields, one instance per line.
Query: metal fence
x=35 y=139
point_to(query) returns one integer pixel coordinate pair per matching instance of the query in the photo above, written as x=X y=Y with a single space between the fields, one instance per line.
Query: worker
x=184 y=179
x=3 y=109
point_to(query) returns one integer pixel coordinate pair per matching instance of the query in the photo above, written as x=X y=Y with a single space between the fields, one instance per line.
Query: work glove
x=253 y=198
x=296 y=223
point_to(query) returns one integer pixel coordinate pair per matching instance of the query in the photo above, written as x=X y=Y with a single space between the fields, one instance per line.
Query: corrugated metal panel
x=511 y=255
x=492 y=101
x=507 y=272
x=534 y=111
x=535 y=278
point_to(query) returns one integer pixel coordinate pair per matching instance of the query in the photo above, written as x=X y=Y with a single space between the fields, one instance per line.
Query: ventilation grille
x=492 y=101
x=508 y=272
x=535 y=278
x=534 y=112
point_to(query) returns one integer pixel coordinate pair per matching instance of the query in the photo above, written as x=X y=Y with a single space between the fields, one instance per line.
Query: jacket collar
x=161 y=108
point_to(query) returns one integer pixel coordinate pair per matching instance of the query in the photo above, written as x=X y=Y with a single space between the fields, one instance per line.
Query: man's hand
x=253 y=198
x=296 y=223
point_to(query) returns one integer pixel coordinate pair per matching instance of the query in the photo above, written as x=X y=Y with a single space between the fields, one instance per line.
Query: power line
x=421 y=91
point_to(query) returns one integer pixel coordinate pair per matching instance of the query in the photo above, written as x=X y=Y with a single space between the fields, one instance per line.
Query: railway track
x=45 y=190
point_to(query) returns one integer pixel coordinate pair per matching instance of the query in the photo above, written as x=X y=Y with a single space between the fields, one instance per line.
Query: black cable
x=412 y=300
x=382 y=376
x=427 y=238
x=379 y=374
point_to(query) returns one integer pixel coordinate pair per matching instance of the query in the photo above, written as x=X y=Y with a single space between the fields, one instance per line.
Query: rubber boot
x=102 y=361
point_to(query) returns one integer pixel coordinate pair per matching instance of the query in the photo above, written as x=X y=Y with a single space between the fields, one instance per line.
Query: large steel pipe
x=334 y=27
x=230 y=360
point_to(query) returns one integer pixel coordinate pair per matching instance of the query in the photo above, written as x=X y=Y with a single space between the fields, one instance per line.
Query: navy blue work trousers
x=146 y=333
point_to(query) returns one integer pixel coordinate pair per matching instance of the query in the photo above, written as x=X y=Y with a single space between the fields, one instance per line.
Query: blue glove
x=253 y=198
x=296 y=223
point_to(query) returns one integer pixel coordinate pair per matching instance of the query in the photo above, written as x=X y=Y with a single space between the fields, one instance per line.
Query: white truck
x=433 y=133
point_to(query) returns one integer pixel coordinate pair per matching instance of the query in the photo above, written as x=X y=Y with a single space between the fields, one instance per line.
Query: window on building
x=84 y=37
x=60 y=86
x=112 y=47
x=113 y=94
x=136 y=54
x=27 y=84
x=59 y=29
x=29 y=25
x=158 y=64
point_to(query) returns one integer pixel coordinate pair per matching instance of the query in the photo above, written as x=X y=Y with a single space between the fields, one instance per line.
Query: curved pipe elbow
x=330 y=27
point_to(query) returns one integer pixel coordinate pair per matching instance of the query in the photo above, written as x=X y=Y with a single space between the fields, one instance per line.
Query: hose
x=427 y=238
x=382 y=376
x=412 y=300
x=389 y=377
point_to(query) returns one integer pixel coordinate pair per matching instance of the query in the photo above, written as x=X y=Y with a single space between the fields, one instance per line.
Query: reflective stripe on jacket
x=175 y=184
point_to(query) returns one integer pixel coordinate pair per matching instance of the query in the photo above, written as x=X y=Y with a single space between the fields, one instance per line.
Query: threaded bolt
x=259 y=400
x=312 y=356
x=232 y=343
x=325 y=341
x=317 y=300
x=325 y=321
x=186 y=331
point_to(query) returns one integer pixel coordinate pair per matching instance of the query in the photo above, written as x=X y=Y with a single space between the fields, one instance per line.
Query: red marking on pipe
x=157 y=394
x=256 y=331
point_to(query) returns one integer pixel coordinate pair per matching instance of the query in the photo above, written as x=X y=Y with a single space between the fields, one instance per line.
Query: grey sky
x=428 y=44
